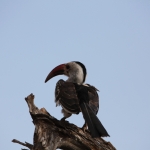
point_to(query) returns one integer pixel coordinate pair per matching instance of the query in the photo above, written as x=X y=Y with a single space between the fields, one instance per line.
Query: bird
x=74 y=96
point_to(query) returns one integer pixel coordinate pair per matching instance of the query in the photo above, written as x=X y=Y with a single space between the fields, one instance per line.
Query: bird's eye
x=67 y=67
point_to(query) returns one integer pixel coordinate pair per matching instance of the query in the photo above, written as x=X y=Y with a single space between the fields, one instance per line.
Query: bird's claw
x=63 y=119
x=84 y=128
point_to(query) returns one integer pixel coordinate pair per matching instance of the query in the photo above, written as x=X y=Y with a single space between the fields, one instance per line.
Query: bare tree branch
x=51 y=133
x=26 y=144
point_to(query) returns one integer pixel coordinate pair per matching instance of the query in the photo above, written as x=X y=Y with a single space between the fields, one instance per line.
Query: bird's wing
x=88 y=102
x=65 y=94
x=93 y=98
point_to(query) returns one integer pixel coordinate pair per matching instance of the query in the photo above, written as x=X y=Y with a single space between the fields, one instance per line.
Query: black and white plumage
x=76 y=97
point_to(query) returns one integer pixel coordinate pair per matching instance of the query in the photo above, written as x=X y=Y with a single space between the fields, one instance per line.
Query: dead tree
x=51 y=133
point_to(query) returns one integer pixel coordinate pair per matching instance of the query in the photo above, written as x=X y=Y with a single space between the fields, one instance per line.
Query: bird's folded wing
x=93 y=99
x=65 y=93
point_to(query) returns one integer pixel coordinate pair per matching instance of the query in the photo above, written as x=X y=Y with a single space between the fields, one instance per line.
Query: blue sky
x=112 y=39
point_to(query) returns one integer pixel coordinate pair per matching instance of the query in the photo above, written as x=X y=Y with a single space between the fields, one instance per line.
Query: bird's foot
x=84 y=128
x=63 y=119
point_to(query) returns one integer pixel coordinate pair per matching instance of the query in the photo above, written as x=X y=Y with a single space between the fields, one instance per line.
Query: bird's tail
x=94 y=125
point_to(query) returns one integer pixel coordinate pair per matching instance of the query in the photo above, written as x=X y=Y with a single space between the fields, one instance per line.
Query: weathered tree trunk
x=51 y=133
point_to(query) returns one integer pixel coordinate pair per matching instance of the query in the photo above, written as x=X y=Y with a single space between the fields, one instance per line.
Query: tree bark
x=51 y=133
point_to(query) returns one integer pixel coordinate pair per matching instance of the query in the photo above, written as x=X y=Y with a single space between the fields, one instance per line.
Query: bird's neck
x=75 y=78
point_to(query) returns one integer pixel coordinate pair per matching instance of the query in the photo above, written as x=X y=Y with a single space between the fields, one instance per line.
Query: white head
x=75 y=71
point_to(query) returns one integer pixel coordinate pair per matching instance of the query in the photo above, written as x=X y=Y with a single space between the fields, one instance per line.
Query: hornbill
x=76 y=97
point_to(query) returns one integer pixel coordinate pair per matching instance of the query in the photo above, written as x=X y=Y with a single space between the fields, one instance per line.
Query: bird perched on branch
x=74 y=96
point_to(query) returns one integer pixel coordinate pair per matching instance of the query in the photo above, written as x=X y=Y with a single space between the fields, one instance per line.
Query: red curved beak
x=59 y=70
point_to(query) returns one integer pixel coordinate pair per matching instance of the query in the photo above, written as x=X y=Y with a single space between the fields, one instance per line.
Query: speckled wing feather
x=65 y=95
x=93 y=98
